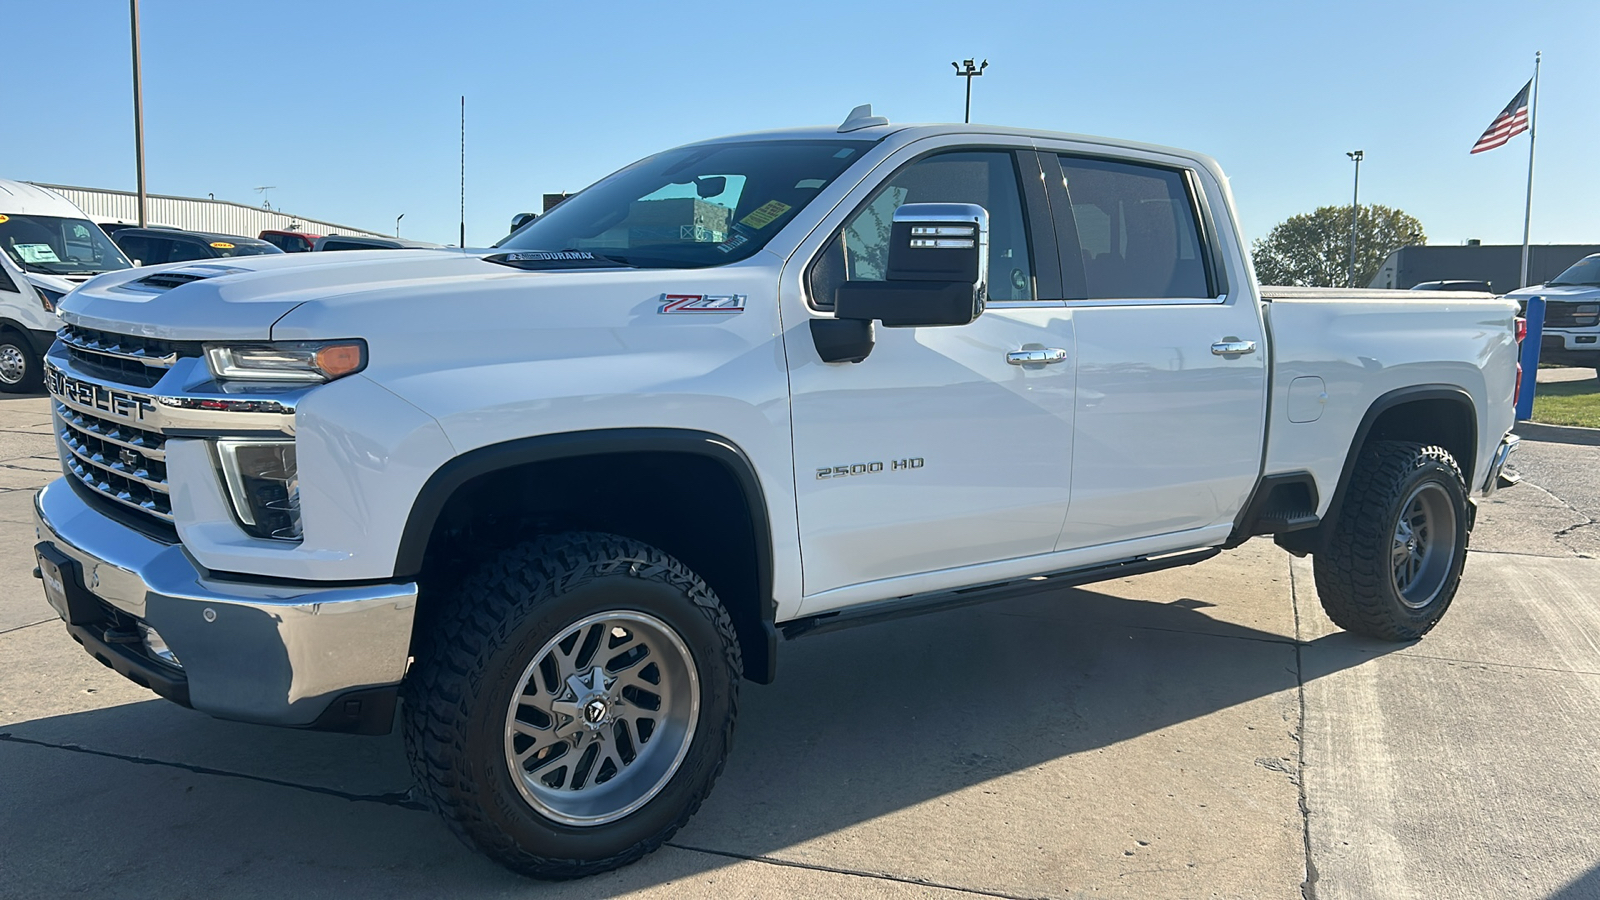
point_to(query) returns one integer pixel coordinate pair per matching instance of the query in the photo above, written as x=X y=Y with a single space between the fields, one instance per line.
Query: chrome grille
x=122 y=463
x=125 y=358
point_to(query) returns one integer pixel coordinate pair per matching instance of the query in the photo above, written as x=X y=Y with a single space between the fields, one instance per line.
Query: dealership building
x=194 y=213
x=1498 y=264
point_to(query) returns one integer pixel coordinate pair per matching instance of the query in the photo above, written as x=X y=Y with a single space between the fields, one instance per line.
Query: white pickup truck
x=559 y=497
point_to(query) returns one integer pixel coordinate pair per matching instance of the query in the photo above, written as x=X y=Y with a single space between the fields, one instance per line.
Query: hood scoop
x=166 y=281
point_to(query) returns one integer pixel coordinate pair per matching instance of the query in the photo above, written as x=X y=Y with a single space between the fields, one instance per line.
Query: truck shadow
x=861 y=724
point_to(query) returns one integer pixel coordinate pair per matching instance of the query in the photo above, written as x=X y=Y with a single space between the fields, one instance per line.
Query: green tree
x=1313 y=249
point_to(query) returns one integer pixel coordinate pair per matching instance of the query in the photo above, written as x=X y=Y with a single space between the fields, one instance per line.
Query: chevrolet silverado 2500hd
x=560 y=496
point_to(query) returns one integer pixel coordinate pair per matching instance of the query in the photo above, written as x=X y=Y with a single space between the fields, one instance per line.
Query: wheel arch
x=727 y=539
x=1441 y=414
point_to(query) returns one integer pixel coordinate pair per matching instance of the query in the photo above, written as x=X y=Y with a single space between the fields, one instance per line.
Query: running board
x=938 y=601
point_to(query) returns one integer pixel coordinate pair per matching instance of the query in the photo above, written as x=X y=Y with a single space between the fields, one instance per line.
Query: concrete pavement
x=1192 y=733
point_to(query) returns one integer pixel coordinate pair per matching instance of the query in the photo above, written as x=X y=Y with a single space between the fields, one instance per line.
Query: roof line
x=74 y=187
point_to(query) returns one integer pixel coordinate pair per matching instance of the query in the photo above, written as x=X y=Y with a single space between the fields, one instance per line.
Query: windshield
x=685 y=208
x=52 y=245
x=1585 y=271
x=242 y=247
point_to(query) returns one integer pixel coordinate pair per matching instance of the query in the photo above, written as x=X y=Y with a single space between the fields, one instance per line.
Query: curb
x=1561 y=434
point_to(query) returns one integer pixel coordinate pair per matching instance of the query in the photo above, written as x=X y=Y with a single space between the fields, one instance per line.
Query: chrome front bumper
x=256 y=650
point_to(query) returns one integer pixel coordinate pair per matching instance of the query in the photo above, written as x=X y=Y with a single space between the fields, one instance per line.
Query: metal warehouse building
x=193 y=213
x=1498 y=264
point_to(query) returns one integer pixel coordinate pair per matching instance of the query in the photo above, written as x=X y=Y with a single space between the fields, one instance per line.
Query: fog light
x=156 y=647
x=264 y=486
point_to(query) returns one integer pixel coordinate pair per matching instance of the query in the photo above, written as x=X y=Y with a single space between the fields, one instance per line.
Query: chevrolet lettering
x=561 y=509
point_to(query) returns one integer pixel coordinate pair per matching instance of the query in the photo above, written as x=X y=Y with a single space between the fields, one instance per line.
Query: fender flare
x=458 y=471
x=1383 y=404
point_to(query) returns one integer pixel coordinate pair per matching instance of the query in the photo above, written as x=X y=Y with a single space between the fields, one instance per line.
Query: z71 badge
x=702 y=303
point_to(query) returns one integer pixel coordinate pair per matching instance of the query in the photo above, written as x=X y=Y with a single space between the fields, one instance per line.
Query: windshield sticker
x=809 y=184
x=734 y=242
x=765 y=216
x=222 y=245
x=702 y=303
x=37 y=253
x=844 y=154
x=543 y=255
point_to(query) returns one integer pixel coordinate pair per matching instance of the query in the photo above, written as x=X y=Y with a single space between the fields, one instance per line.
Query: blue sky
x=351 y=108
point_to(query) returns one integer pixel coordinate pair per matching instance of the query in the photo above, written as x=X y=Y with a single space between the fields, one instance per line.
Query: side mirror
x=521 y=219
x=937 y=260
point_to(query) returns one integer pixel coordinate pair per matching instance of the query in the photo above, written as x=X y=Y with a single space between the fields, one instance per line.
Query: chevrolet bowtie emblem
x=129 y=458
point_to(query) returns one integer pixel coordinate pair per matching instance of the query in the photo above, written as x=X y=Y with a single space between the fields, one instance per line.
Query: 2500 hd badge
x=871 y=468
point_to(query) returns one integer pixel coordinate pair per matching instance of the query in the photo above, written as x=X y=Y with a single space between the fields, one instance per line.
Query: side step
x=936 y=601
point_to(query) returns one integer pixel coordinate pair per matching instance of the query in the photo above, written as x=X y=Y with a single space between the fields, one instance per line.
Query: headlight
x=49 y=299
x=313 y=361
x=263 y=485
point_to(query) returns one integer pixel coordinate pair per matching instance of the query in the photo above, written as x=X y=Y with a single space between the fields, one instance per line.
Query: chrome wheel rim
x=602 y=718
x=13 y=365
x=1423 y=548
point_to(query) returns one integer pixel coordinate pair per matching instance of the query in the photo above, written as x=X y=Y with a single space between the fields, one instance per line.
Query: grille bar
x=88 y=454
x=130 y=349
x=119 y=490
x=148 y=443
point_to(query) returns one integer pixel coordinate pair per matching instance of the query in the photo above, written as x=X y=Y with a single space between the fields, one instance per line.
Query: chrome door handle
x=1233 y=347
x=1044 y=357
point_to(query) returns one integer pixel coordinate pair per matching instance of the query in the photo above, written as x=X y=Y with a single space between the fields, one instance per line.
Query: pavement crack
x=1308 y=888
x=403 y=800
x=881 y=876
x=32 y=625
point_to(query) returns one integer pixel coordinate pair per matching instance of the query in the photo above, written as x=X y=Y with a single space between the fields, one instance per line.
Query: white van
x=50 y=248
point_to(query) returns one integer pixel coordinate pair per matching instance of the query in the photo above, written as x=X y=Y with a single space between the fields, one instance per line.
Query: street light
x=969 y=73
x=1355 y=201
x=397 y=224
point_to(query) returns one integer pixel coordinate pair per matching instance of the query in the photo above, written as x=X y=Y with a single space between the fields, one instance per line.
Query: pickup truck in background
x=559 y=497
x=1571 y=314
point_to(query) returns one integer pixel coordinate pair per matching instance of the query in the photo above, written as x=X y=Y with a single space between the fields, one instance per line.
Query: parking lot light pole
x=1355 y=207
x=138 y=111
x=970 y=72
x=397 y=224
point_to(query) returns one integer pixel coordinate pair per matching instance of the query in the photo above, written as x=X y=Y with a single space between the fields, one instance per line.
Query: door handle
x=1233 y=347
x=1044 y=357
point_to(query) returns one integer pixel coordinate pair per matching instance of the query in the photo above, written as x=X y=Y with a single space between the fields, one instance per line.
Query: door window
x=1136 y=230
x=860 y=251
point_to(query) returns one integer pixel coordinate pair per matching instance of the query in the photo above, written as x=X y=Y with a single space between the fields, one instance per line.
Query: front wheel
x=19 y=365
x=1394 y=561
x=571 y=706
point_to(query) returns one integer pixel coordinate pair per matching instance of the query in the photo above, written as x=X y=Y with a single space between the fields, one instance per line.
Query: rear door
x=934 y=453
x=1172 y=361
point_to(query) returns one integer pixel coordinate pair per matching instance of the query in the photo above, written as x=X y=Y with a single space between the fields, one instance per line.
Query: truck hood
x=1565 y=293
x=238 y=298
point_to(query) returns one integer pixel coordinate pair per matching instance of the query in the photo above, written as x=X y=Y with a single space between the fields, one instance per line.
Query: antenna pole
x=1533 y=132
x=138 y=111
x=463 y=171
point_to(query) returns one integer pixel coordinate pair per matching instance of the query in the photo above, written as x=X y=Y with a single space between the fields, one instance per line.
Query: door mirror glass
x=937 y=262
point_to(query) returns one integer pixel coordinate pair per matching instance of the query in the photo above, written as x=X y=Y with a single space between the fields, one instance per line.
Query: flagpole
x=1533 y=132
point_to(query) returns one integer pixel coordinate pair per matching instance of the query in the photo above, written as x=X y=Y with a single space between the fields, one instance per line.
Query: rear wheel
x=572 y=705
x=1394 y=561
x=19 y=365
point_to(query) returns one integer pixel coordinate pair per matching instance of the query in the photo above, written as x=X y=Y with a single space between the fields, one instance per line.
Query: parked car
x=1481 y=287
x=354 y=242
x=291 y=241
x=761 y=386
x=155 y=246
x=50 y=248
x=1571 y=314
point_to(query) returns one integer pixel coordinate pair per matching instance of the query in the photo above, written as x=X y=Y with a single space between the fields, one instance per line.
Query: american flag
x=1512 y=121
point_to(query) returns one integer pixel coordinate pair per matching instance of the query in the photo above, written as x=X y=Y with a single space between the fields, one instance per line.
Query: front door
x=935 y=452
